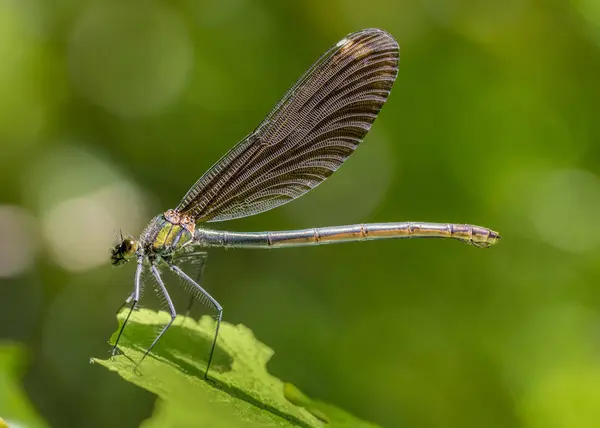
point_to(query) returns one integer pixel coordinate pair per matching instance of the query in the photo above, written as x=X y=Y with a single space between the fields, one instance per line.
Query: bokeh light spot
x=82 y=201
x=81 y=231
x=131 y=60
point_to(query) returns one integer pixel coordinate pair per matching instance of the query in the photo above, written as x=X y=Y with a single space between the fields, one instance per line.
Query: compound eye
x=128 y=247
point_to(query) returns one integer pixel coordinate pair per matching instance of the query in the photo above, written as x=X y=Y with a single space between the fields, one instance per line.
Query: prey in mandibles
x=307 y=136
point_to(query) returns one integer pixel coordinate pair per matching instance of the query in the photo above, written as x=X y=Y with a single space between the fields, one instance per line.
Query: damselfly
x=313 y=129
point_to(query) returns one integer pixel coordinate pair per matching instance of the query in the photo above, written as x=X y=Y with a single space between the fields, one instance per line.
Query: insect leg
x=163 y=290
x=125 y=303
x=211 y=301
x=200 y=260
x=134 y=297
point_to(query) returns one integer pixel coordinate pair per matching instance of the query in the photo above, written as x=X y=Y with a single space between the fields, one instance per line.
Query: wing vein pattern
x=313 y=129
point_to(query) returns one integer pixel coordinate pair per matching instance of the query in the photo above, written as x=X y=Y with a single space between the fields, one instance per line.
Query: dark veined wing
x=313 y=129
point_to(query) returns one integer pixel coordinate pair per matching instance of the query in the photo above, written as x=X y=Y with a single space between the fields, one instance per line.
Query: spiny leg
x=134 y=297
x=198 y=258
x=163 y=289
x=215 y=305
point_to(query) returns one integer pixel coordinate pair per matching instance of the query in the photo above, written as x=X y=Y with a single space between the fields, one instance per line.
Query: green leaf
x=241 y=394
x=15 y=407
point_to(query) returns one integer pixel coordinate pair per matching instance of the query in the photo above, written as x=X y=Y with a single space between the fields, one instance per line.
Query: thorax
x=165 y=235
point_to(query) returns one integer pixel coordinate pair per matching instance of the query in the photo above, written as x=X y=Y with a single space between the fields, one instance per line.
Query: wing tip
x=376 y=33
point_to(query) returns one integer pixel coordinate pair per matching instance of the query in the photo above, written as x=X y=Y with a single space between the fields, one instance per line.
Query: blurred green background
x=110 y=110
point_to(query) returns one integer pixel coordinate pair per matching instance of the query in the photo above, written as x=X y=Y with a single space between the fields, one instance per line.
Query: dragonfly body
x=163 y=238
x=474 y=235
x=314 y=129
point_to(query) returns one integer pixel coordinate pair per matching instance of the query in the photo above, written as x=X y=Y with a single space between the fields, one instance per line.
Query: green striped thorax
x=165 y=235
